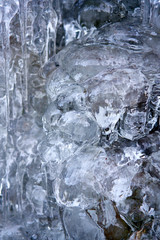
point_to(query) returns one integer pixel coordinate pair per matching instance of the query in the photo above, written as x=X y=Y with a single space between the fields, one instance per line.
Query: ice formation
x=79 y=119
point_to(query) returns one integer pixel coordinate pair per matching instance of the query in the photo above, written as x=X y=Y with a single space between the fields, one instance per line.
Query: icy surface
x=79 y=119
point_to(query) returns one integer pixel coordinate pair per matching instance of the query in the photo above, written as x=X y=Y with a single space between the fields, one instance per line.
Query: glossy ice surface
x=79 y=119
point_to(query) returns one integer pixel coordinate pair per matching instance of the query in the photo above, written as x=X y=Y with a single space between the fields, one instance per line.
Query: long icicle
x=9 y=10
x=23 y=23
x=6 y=55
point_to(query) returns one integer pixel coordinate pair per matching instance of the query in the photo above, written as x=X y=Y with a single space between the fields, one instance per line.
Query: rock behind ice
x=85 y=227
x=91 y=13
x=94 y=171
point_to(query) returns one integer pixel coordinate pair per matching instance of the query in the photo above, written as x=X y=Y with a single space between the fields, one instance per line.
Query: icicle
x=50 y=44
x=51 y=38
x=154 y=14
x=145 y=10
x=23 y=24
x=9 y=9
x=150 y=13
x=6 y=55
x=59 y=11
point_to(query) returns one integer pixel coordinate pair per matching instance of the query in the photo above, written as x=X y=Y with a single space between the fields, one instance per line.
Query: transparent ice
x=79 y=119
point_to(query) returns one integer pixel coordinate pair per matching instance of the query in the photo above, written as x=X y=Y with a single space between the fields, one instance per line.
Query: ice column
x=23 y=24
x=150 y=13
x=8 y=10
